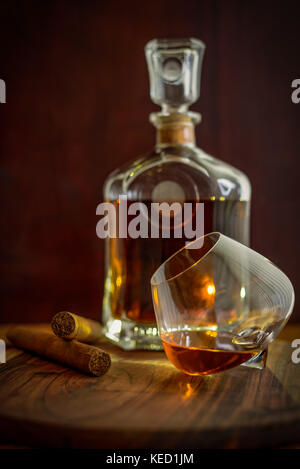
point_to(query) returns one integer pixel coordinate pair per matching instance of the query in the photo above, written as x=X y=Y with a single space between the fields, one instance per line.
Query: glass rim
x=155 y=284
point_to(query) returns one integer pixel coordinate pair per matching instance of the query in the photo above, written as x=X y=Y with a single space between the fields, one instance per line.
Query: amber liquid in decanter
x=133 y=261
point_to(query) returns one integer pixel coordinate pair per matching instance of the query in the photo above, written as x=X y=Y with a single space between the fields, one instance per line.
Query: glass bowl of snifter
x=218 y=304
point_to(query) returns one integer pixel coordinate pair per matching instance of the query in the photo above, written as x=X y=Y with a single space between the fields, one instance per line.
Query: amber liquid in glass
x=207 y=354
x=133 y=261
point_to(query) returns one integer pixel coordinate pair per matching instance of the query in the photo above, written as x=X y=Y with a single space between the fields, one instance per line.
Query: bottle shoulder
x=228 y=178
x=175 y=170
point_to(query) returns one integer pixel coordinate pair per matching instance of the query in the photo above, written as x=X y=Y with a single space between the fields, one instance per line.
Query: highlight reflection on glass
x=218 y=306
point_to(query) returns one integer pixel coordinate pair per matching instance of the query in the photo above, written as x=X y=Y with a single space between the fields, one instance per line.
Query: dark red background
x=77 y=107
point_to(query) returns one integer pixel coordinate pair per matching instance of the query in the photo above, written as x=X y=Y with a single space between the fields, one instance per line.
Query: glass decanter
x=175 y=170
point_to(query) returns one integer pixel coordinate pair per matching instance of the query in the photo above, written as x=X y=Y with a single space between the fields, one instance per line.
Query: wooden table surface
x=144 y=402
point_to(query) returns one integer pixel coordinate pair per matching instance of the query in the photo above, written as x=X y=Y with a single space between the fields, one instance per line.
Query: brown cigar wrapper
x=71 y=326
x=85 y=358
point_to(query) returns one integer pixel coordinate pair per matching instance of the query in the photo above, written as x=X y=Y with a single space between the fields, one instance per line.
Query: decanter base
x=133 y=336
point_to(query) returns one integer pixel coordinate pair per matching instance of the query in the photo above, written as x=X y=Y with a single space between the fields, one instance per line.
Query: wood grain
x=143 y=401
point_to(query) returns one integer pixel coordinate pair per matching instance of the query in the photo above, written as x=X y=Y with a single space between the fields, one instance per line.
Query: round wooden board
x=144 y=402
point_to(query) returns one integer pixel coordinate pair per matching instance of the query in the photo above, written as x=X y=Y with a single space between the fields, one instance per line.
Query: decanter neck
x=175 y=129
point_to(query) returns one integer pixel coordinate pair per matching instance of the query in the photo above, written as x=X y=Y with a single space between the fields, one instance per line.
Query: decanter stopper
x=174 y=70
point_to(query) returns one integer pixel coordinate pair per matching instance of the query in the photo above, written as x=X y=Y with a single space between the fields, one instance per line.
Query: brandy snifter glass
x=218 y=304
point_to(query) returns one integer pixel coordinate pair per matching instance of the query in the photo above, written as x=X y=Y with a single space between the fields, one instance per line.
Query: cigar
x=85 y=358
x=70 y=326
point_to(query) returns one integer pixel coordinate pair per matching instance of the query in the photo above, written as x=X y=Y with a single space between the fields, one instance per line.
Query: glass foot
x=259 y=361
